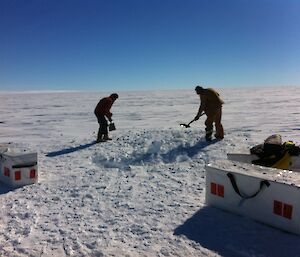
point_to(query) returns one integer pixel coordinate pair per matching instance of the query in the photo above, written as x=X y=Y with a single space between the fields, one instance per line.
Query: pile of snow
x=142 y=194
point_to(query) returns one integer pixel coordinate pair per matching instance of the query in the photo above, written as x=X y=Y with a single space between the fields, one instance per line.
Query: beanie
x=198 y=89
x=114 y=96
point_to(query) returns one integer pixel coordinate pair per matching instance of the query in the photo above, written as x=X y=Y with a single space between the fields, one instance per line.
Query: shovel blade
x=184 y=125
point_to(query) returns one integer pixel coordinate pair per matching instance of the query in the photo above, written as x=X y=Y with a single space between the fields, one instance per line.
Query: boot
x=219 y=137
x=208 y=134
x=99 y=137
x=105 y=137
x=208 y=138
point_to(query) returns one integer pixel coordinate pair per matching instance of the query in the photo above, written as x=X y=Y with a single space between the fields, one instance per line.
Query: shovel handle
x=195 y=119
x=198 y=118
x=191 y=122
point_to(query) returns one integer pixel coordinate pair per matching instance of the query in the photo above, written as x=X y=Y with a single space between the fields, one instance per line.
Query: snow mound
x=152 y=147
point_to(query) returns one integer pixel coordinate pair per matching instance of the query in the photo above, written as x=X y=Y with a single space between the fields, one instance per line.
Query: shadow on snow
x=190 y=151
x=231 y=235
x=70 y=150
x=5 y=188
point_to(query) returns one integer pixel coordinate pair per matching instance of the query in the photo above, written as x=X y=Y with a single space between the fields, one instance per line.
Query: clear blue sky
x=148 y=44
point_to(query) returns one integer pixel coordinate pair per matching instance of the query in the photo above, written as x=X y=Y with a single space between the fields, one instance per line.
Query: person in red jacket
x=102 y=112
x=211 y=105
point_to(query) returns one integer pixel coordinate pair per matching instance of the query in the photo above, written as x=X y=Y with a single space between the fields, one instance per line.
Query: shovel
x=188 y=125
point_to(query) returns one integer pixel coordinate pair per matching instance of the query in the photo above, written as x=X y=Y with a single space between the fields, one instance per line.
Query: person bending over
x=211 y=105
x=102 y=112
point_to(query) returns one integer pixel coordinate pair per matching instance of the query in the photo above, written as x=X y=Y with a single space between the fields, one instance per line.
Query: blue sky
x=148 y=44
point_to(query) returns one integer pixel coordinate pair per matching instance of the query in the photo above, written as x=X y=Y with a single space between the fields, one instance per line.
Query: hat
x=198 y=89
x=114 y=96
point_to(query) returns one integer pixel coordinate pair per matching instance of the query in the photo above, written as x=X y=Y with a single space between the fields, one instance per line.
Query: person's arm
x=107 y=113
x=202 y=107
x=109 y=117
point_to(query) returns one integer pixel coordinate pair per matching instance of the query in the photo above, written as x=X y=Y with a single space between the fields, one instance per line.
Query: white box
x=268 y=195
x=18 y=169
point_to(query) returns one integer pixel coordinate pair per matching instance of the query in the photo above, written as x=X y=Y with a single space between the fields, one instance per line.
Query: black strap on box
x=24 y=165
x=236 y=189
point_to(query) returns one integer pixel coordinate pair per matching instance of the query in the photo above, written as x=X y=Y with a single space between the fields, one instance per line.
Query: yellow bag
x=284 y=163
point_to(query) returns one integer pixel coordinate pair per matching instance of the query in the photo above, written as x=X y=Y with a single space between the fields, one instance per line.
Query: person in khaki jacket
x=211 y=105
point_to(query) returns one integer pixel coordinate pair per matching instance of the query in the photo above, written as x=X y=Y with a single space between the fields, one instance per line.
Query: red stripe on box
x=18 y=175
x=221 y=190
x=32 y=173
x=287 y=211
x=277 y=208
x=6 y=171
x=213 y=188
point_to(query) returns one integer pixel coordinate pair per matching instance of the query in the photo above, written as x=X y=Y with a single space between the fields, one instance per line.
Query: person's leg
x=99 y=136
x=219 y=127
x=209 y=127
x=102 y=128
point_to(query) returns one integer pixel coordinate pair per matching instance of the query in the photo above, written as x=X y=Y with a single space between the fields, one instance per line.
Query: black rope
x=236 y=189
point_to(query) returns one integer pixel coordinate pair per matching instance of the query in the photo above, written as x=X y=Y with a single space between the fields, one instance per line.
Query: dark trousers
x=102 y=124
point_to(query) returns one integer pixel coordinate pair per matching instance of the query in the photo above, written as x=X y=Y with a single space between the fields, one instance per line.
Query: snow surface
x=142 y=194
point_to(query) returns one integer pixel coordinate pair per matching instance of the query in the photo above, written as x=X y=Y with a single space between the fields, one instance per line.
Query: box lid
x=277 y=175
